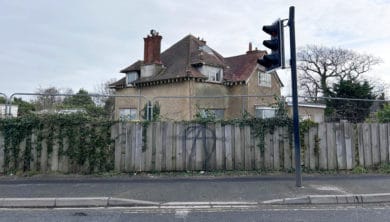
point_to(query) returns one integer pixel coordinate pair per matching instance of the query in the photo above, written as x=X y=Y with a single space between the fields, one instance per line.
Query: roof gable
x=242 y=66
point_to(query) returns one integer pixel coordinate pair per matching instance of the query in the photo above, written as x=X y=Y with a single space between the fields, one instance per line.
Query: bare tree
x=103 y=88
x=108 y=103
x=319 y=67
x=47 y=98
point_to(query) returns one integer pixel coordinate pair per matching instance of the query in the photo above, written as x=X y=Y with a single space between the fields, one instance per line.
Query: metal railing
x=355 y=110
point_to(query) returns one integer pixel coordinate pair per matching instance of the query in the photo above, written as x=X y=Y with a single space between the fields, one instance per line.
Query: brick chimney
x=152 y=48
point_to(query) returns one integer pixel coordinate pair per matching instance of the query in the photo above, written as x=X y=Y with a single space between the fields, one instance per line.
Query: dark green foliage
x=80 y=99
x=353 y=110
x=88 y=139
x=24 y=108
x=383 y=115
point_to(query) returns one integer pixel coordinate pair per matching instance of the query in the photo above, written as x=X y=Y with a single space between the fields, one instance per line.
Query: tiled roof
x=242 y=66
x=181 y=59
x=133 y=67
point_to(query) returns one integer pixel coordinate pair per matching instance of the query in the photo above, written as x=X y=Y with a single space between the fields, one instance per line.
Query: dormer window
x=213 y=74
x=131 y=77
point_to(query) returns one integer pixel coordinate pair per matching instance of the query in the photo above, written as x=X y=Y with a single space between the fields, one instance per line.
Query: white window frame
x=214 y=74
x=128 y=80
x=203 y=113
x=265 y=115
x=128 y=114
x=264 y=79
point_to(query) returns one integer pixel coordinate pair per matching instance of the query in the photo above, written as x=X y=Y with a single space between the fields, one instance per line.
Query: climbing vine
x=84 y=140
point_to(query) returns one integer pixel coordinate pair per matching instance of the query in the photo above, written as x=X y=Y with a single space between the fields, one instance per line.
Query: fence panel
x=167 y=146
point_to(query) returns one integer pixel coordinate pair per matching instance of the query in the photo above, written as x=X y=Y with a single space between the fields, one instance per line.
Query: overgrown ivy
x=83 y=139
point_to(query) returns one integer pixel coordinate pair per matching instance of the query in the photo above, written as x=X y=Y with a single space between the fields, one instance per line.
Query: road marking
x=329 y=188
x=182 y=214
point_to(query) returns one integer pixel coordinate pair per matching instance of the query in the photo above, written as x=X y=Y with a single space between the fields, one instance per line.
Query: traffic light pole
x=298 y=170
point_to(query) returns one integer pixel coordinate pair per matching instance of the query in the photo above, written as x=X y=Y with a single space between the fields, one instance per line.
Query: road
x=286 y=214
x=160 y=189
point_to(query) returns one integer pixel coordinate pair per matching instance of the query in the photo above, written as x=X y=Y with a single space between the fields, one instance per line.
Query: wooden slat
x=313 y=160
x=286 y=149
x=54 y=155
x=34 y=155
x=305 y=146
x=115 y=135
x=268 y=163
x=322 y=149
x=340 y=146
x=276 y=149
x=383 y=143
x=367 y=145
x=293 y=152
x=169 y=147
x=163 y=145
x=375 y=149
x=219 y=147
x=159 y=154
x=388 y=140
x=253 y=149
x=148 y=149
x=190 y=146
x=210 y=152
x=238 y=164
x=44 y=156
x=228 y=147
x=201 y=143
x=360 y=144
x=129 y=145
x=2 y=154
x=180 y=147
x=349 y=148
x=139 y=155
x=259 y=164
x=331 y=144
x=64 y=159
x=20 y=161
x=247 y=147
x=174 y=138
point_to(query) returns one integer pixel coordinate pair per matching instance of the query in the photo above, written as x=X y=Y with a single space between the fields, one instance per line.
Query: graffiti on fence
x=206 y=137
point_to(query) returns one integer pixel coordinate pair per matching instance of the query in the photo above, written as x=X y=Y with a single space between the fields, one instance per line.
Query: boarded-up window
x=127 y=114
x=264 y=112
x=265 y=79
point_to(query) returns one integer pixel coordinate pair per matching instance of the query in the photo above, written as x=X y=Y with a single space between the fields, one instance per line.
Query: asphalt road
x=290 y=214
x=254 y=188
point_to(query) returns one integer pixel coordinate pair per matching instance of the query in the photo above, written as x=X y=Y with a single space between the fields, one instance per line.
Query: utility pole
x=275 y=60
x=297 y=146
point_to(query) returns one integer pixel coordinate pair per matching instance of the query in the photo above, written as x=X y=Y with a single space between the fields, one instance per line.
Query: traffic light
x=276 y=44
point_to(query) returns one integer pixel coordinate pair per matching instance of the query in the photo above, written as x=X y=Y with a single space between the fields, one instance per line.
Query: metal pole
x=297 y=146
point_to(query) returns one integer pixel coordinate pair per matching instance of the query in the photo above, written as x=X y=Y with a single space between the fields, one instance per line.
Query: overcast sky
x=82 y=43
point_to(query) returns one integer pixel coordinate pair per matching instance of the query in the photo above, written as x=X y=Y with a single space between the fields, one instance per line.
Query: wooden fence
x=168 y=146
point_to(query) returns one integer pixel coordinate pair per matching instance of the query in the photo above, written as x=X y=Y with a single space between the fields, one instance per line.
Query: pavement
x=197 y=191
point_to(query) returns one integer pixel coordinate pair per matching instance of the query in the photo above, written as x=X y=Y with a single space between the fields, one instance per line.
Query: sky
x=83 y=43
